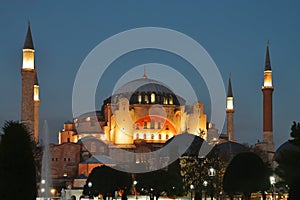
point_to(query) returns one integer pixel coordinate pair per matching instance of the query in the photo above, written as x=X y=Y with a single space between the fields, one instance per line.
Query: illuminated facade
x=143 y=109
x=30 y=89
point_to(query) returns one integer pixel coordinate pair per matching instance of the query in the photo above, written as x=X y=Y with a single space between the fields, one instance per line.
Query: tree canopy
x=288 y=158
x=106 y=180
x=245 y=174
x=17 y=165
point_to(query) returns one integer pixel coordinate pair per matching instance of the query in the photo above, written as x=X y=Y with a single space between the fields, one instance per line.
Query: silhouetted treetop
x=295 y=130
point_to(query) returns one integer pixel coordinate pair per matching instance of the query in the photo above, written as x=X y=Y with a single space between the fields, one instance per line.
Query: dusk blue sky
x=234 y=33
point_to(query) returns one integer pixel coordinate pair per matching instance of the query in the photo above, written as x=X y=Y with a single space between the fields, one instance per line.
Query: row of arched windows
x=144 y=136
x=152 y=98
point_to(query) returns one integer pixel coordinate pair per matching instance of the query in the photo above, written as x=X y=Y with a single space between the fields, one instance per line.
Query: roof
x=28 y=44
x=227 y=150
x=144 y=85
x=100 y=159
x=288 y=152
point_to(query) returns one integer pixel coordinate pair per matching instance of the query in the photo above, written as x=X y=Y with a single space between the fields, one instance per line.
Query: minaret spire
x=28 y=44
x=229 y=92
x=229 y=111
x=267 y=63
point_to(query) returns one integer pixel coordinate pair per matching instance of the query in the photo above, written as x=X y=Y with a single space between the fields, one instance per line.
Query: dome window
x=152 y=97
x=165 y=100
x=171 y=100
x=146 y=98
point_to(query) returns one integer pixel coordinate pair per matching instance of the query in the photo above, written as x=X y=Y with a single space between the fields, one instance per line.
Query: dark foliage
x=161 y=182
x=106 y=180
x=288 y=159
x=17 y=165
x=155 y=182
x=245 y=174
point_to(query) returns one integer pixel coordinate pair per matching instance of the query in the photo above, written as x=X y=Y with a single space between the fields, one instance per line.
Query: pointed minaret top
x=229 y=92
x=28 y=44
x=145 y=74
x=268 y=63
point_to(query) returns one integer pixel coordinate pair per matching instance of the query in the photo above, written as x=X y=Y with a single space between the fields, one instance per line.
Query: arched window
x=152 y=124
x=152 y=136
x=146 y=98
x=171 y=100
x=140 y=98
x=167 y=137
x=159 y=136
x=165 y=100
x=152 y=97
x=145 y=136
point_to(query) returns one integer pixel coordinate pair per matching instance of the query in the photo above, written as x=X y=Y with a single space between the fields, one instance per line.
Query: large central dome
x=147 y=91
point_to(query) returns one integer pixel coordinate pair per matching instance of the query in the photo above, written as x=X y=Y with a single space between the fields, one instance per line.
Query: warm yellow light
x=171 y=100
x=152 y=98
x=36 y=93
x=140 y=98
x=53 y=191
x=268 y=79
x=28 y=59
x=146 y=99
x=229 y=103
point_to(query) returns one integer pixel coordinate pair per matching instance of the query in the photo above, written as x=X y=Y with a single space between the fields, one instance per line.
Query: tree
x=174 y=179
x=288 y=158
x=17 y=165
x=194 y=171
x=155 y=182
x=106 y=180
x=245 y=174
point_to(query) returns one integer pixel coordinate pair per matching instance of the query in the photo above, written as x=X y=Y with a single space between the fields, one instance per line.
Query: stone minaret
x=36 y=98
x=229 y=112
x=267 y=90
x=30 y=88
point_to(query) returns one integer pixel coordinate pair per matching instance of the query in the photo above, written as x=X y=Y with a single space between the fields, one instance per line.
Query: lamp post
x=192 y=187
x=211 y=174
x=90 y=185
x=134 y=188
x=272 y=182
x=205 y=185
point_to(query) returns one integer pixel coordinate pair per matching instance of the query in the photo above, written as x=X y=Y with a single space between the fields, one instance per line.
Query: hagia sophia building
x=142 y=120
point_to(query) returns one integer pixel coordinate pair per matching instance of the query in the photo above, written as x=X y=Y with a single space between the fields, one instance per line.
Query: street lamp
x=192 y=187
x=90 y=184
x=273 y=181
x=134 y=184
x=205 y=183
x=211 y=174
